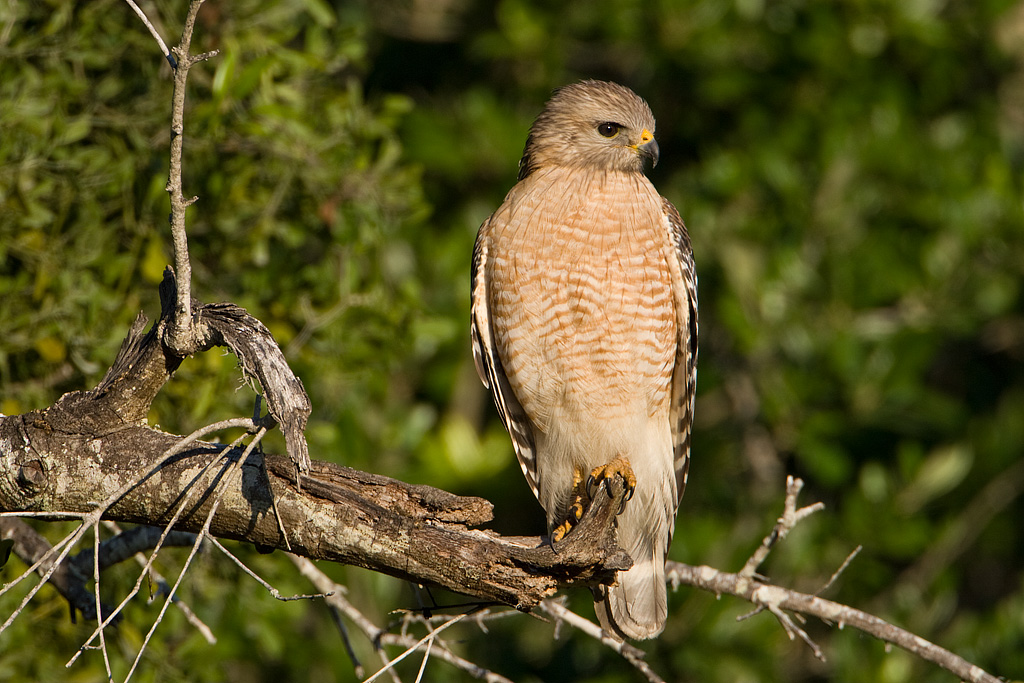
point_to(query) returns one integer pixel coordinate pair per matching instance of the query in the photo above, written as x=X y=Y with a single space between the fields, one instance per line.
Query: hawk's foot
x=580 y=500
x=619 y=465
x=575 y=515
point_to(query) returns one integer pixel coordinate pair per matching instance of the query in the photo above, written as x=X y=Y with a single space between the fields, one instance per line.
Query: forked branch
x=747 y=585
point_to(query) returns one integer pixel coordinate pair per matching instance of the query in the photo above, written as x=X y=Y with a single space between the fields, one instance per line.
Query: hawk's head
x=592 y=124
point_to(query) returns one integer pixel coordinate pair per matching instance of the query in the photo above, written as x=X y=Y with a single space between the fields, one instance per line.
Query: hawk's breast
x=581 y=297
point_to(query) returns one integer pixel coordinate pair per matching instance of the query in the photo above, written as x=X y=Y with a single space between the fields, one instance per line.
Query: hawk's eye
x=609 y=130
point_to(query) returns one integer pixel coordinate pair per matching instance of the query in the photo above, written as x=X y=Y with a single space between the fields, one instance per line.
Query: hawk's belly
x=588 y=332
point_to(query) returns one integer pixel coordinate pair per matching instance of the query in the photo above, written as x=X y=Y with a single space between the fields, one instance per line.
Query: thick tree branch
x=412 y=532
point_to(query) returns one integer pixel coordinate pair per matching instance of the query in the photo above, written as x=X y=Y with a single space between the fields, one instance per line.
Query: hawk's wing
x=684 y=379
x=490 y=369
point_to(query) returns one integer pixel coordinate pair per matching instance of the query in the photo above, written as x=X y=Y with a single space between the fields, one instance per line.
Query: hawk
x=584 y=327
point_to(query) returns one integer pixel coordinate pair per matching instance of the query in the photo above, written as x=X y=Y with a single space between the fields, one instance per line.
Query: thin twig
x=346 y=639
x=842 y=568
x=270 y=589
x=429 y=637
x=232 y=467
x=96 y=588
x=631 y=654
x=426 y=658
x=791 y=516
x=792 y=630
x=152 y=30
x=165 y=588
x=46 y=516
x=256 y=418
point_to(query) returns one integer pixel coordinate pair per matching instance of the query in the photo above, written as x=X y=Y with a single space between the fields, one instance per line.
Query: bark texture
x=417 y=533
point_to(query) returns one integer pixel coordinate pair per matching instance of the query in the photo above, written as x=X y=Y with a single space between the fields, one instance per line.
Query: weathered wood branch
x=776 y=598
x=145 y=363
x=259 y=355
x=412 y=532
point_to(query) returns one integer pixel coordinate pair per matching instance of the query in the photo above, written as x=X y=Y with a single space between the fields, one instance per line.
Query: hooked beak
x=648 y=147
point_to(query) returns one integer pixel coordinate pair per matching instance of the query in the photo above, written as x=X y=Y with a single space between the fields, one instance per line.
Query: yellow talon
x=619 y=465
x=560 y=531
x=584 y=494
x=576 y=510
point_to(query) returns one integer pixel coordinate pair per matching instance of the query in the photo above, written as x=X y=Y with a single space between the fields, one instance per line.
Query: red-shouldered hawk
x=584 y=324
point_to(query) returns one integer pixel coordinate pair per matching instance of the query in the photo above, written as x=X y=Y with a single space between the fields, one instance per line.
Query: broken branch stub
x=145 y=362
x=260 y=357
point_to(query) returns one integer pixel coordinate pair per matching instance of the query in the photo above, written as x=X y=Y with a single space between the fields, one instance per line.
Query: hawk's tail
x=637 y=605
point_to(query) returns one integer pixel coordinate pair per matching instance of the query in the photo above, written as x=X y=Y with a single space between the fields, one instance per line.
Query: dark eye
x=609 y=130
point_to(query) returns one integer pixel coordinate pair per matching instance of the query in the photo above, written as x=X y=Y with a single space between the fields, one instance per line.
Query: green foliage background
x=851 y=174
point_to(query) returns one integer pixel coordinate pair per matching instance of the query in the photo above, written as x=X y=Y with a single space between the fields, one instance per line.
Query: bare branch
x=96 y=588
x=427 y=639
x=336 y=599
x=165 y=588
x=776 y=598
x=181 y=336
x=792 y=630
x=270 y=589
x=156 y=35
x=745 y=584
x=631 y=654
x=791 y=516
x=842 y=568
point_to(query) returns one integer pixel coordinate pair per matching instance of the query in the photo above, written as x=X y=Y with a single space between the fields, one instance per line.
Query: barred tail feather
x=636 y=607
